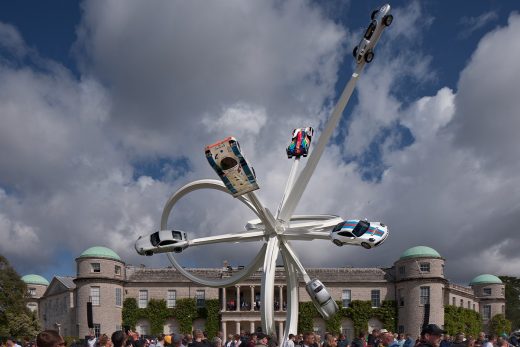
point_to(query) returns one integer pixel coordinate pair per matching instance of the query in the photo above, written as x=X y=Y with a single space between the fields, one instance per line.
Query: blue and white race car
x=380 y=19
x=226 y=158
x=360 y=233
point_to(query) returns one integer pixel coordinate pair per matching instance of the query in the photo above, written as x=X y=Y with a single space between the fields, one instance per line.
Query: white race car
x=380 y=19
x=161 y=242
x=231 y=166
x=321 y=298
x=360 y=233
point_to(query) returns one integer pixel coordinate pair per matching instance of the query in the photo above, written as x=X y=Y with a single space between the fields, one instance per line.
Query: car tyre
x=365 y=245
x=337 y=242
x=354 y=52
x=388 y=19
x=373 y=14
x=369 y=56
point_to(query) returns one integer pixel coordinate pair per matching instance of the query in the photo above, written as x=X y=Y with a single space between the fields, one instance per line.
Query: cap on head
x=432 y=329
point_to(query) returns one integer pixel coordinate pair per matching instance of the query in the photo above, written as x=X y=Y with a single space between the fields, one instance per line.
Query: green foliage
x=512 y=300
x=185 y=313
x=307 y=312
x=499 y=324
x=15 y=318
x=459 y=319
x=211 y=313
x=359 y=311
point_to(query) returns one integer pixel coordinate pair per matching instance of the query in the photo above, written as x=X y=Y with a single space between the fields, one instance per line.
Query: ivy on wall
x=459 y=319
x=358 y=311
x=185 y=312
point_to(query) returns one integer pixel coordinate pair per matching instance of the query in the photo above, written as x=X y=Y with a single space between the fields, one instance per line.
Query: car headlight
x=371 y=239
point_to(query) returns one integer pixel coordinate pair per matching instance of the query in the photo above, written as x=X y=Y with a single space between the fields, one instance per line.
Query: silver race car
x=321 y=298
x=161 y=242
x=380 y=19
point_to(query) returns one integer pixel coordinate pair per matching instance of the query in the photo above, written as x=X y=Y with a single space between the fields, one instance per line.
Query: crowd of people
x=431 y=336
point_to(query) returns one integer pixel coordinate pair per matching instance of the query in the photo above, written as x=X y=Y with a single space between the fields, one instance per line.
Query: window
x=172 y=298
x=453 y=301
x=486 y=291
x=32 y=291
x=425 y=295
x=95 y=267
x=143 y=298
x=469 y=305
x=400 y=329
x=345 y=297
x=425 y=267
x=119 y=299
x=94 y=296
x=503 y=291
x=375 y=296
x=200 y=296
x=97 y=329
x=486 y=312
x=402 y=270
x=503 y=309
x=400 y=296
x=117 y=270
x=461 y=302
x=474 y=307
x=143 y=329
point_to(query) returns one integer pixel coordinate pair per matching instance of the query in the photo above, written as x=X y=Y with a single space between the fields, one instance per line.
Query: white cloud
x=153 y=80
x=472 y=24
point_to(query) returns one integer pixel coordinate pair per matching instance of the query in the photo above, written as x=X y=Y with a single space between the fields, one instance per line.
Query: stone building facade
x=416 y=282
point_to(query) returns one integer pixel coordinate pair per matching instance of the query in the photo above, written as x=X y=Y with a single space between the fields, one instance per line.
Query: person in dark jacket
x=430 y=336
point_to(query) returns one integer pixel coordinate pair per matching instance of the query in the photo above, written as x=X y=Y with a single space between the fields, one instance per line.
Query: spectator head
x=119 y=338
x=291 y=336
x=459 y=337
x=332 y=340
x=432 y=333
x=160 y=338
x=104 y=340
x=387 y=338
x=49 y=338
x=308 y=338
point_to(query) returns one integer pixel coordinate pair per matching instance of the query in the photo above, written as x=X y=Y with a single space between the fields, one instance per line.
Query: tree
x=512 y=300
x=499 y=324
x=15 y=318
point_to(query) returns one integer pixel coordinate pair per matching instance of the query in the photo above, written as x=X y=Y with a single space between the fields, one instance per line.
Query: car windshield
x=167 y=242
x=227 y=163
x=339 y=226
x=176 y=235
x=370 y=30
x=154 y=239
x=318 y=289
x=361 y=228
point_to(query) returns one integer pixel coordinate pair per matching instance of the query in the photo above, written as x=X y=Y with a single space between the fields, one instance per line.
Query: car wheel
x=337 y=242
x=365 y=245
x=369 y=56
x=388 y=19
x=354 y=52
x=148 y=253
x=373 y=15
x=177 y=250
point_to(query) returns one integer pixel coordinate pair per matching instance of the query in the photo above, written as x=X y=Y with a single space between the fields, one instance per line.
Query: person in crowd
x=371 y=341
x=229 y=341
x=49 y=338
x=317 y=339
x=502 y=340
x=470 y=341
x=360 y=340
x=290 y=341
x=332 y=341
x=217 y=340
x=199 y=339
x=343 y=341
x=491 y=342
x=400 y=339
x=459 y=340
x=160 y=340
x=409 y=341
x=430 y=336
x=481 y=339
x=178 y=340
x=261 y=340
x=104 y=341
x=513 y=340
x=308 y=339
x=119 y=338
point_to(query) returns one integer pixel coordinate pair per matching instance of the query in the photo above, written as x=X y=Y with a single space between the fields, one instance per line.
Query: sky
x=105 y=109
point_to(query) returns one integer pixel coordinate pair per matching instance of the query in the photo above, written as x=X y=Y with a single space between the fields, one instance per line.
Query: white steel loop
x=217 y=185
x=267 y=294
x=291 y=320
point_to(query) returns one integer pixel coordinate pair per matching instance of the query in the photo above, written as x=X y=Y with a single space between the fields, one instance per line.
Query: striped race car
x=226 y=158
x=360 y=233
x=300 y=143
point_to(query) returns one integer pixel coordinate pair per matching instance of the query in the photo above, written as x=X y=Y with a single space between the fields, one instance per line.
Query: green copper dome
x=420 y=251
x=100 y=252
x=35 y=279
x=485 y=279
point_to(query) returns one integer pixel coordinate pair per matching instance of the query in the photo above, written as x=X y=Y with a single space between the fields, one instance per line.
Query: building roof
x=67 y=281
x=485 y=279
x=419 y=252
x=35 y=279
x=100 y=252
